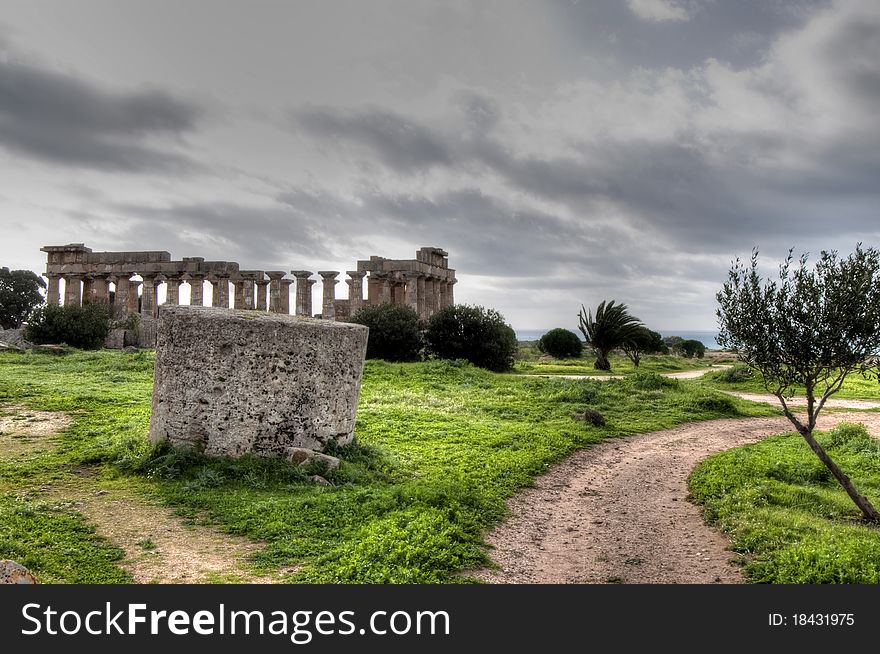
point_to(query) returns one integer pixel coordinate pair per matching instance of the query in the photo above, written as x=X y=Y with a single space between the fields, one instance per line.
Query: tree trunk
x=602 y=362
x=860 y=500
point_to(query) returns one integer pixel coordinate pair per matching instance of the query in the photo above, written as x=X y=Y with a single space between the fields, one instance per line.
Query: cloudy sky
x=563 y=152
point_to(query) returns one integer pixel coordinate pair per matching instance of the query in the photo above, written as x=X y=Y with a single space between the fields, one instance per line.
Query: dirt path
x=159 y=547
x=685 y=374
x=831 y=403
x=618 y=513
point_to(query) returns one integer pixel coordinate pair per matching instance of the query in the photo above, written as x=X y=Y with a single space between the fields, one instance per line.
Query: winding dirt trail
x=618 y=512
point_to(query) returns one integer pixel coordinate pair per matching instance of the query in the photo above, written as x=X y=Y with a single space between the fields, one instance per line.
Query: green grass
x=439 y=446
x=787 y=514
x=56 y=544
x=854 y=387
x=531 y=362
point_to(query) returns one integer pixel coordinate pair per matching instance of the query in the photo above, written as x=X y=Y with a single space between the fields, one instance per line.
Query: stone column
x=285 y=296
x=248 y=293
x=328 y=308
x=275 y=277
x=221 y=291
x=355 y=290
x=384 y=288
x=373 y=287
x=412 y=291
x=420 y=292
x=238 y=295
x=443 y=287
x=398 y=292
x=430 y=297
x=196 y=289
x=72 y=290
x=172 y=290
x=101 y=289
x=244 y=291
x=148 y=297
x=437 y=305
x=87 y=289
x=53 y=289
x=303 y=304
x=450 y=297
x=120 y=300
x=261 y=294
x=133 y=287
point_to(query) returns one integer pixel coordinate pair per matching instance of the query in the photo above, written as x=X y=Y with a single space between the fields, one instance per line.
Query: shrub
x=473 y=333
x=739 y=373
x=691 y=348
x=395 y=333
x=561 y=343
x=84 y=327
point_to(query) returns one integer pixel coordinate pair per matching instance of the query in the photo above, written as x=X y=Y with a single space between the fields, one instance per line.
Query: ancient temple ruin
x=424 y=283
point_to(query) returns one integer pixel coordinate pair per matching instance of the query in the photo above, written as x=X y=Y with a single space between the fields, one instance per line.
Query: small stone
x=306 y=457
x=594 y=418
x=15 y=573
x=318 y=479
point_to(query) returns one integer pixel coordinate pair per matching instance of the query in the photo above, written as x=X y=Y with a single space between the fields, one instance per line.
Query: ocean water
x=707 y=338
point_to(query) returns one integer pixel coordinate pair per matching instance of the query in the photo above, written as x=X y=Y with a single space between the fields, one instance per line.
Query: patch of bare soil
x=158 y=546
x=25 y=432
x=618 y=512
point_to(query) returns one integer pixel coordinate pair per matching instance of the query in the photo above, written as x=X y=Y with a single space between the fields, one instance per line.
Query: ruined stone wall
x=234 y=382
x=424 y=283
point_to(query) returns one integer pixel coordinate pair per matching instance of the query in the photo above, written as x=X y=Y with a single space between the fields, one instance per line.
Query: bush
x=84 y=327
x=736 y=374
x=473 y=333
x=691 y=348
x=395 y=333
x=561 y=343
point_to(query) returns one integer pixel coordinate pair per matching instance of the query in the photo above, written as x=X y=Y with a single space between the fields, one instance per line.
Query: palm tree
x=611 y=328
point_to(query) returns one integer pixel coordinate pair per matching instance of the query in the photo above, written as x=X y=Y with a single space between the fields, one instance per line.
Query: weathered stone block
x=115 y=339
x=234 y=382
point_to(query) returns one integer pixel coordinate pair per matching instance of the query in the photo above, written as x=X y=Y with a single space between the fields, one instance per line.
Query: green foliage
x=472 y=333
x=85 y=326
x=784 y=510
x=56 y=544
x=691 y=348
x=395 y=332
x=439 y=447
x=621 y=365
x=736 y=374
x=561 y=344
x=811 y=328
x=610 y=329
x=643 y=341
x=19 y=296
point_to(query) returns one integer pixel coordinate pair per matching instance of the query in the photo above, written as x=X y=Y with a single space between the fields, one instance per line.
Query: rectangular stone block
x=231 y=382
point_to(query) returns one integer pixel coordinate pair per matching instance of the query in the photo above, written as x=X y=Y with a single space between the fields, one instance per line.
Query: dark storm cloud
x=254 y=236
x=401 y=144
x=66 y=120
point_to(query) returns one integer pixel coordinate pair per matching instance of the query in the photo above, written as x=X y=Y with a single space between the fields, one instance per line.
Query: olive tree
x=812 y=327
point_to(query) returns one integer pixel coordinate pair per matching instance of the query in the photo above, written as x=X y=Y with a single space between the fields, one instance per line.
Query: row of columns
x=424 y=293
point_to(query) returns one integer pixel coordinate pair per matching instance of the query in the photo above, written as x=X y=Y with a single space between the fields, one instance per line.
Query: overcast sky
x=562 y=152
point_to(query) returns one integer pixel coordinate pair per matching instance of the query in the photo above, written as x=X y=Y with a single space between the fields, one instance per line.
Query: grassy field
x=532 y=362
x=439 y=446
x=854 y=387
x=784 y=510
